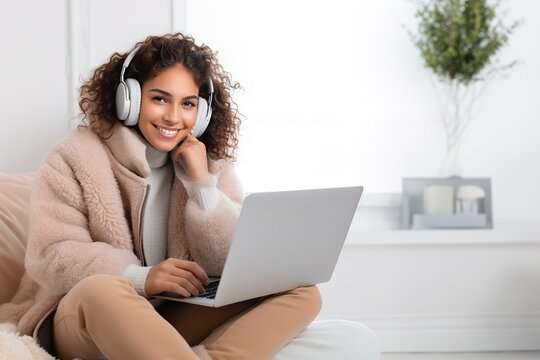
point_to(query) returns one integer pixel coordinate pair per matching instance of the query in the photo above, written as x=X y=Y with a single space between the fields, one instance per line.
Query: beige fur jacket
x=86 y=215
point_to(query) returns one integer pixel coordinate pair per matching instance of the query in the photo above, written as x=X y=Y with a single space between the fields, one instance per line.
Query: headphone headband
x=131 y=55
x=126 y=63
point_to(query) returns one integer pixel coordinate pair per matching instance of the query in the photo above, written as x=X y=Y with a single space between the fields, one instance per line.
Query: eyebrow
x=163 y=92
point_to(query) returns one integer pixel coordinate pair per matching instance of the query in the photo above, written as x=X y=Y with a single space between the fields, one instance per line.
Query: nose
x=172 y=115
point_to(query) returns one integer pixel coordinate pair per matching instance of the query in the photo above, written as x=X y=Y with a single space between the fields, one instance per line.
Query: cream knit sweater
x=156 y=214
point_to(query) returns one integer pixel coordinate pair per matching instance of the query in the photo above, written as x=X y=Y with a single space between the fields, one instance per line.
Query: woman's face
x=168 y=107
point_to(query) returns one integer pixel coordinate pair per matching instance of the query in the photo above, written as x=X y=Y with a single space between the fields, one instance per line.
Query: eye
x=189 y=104
x=159 y=99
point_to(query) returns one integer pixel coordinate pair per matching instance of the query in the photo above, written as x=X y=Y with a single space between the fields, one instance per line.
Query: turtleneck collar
x=155 y=158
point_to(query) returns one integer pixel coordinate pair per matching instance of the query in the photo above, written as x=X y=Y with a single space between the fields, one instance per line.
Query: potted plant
x=458 y=41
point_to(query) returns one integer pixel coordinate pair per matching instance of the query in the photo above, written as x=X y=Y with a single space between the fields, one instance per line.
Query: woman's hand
x=191 y=155
x=174 y=275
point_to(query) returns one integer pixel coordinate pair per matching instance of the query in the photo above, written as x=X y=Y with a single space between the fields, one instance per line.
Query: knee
x=100 y=289
x=309 y=299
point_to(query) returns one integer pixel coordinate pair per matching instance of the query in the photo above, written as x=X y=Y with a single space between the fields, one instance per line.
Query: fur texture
x=14 y=346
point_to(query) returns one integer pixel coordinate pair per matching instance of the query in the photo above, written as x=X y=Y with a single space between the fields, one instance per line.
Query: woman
x=134 y=204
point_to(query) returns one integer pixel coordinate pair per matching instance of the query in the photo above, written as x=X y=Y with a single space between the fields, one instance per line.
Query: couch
x=323 y=339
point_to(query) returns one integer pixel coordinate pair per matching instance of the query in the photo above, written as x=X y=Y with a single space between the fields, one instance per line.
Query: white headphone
x=128 y=101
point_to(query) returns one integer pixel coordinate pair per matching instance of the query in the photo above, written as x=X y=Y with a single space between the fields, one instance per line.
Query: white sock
x=201 y=352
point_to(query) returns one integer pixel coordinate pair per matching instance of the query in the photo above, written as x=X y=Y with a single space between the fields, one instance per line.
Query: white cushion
x=332 y=339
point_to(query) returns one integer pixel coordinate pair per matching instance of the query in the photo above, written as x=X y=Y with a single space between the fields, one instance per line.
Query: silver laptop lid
x=286 y=239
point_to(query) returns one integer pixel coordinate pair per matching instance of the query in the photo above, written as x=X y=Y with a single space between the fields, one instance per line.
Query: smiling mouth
x=168 y=132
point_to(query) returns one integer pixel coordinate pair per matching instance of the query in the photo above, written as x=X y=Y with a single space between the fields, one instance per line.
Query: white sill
x=378 y=218
x=357 y=237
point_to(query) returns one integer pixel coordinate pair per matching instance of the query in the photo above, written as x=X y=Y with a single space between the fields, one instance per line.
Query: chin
x=166 y=148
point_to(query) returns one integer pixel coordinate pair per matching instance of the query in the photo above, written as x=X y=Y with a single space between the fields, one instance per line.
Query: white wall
x=440 y=296
x=33 y=110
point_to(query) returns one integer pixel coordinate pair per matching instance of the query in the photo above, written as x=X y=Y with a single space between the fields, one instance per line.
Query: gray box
x=412 y=212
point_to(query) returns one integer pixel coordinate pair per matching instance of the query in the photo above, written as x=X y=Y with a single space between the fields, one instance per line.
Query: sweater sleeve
x=61 y=249
x=211 y=215
x=204 y=193
x=137 y=276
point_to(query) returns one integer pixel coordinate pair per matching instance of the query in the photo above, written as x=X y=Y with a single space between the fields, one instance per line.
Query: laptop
x=283 y=240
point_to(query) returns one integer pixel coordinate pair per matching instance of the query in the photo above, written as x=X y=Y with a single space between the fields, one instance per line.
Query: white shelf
x=378 y=221
x=358 y=237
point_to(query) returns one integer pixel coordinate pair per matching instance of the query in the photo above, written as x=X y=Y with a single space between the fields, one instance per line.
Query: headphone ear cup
x=203 y=118
x=122 y=101
x=134 y=91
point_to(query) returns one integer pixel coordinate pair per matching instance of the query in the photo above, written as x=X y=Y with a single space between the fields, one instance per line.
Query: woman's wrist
x=206 y=197
x=203 y=191
x=137 y=276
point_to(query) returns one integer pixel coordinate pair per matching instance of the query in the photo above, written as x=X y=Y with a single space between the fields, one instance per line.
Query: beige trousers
x=103 y=316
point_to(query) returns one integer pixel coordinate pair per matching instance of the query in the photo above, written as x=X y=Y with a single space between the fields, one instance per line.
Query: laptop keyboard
x=211 y=289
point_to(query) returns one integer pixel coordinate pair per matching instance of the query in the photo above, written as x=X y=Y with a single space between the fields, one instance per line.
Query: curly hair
x=155 y=54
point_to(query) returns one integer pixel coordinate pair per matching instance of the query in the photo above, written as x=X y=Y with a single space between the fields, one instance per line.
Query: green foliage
x=459 y=38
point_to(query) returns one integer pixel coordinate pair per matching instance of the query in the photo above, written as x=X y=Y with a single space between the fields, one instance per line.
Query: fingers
x=180 y=276
x=192 y=267
x=184 y=287
x=191 y=156
x=190 y=139
x=175 y=288
x=185 y=145
x=187 y=280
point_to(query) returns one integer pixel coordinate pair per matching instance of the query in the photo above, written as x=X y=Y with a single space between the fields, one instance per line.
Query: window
x=334 y=92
